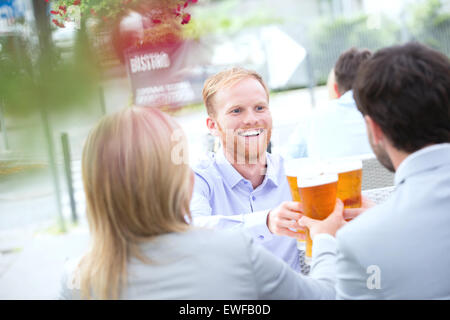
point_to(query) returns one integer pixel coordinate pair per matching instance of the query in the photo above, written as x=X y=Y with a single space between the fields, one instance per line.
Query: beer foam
x=342 y=166
x=312 y=179
x=294 y=167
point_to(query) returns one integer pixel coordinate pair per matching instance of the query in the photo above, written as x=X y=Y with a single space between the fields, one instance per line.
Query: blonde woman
x=138 y=190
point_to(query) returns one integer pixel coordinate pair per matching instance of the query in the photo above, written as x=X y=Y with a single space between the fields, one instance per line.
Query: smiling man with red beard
x=243 y=185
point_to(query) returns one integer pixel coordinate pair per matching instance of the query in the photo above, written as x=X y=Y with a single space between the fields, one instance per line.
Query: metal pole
x=404 y=28
x=68 y=170
x=3 y=126
x=53 y=168
x=311 y=81
x=44 y=65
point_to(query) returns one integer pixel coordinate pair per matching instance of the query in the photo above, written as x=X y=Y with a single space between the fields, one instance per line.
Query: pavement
x=32 y=248
x=35 y=269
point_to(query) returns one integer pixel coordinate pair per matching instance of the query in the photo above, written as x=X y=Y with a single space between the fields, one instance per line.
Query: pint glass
x=318 y=193
x=292 y=168
x=349 y=182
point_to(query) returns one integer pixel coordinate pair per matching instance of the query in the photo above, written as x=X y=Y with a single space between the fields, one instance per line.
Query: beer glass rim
x=293 y=167
x=343 y=165
x=314 y=179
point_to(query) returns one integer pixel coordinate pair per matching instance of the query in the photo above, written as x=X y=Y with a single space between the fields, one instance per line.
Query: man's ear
x=336 y=90
x=374 y=130
x=212 y=126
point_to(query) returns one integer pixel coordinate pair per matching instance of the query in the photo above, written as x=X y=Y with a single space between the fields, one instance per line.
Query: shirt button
x=261 y=237
x=253 y=198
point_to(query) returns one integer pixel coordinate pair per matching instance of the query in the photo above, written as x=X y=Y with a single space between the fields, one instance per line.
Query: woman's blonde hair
x=134 y=190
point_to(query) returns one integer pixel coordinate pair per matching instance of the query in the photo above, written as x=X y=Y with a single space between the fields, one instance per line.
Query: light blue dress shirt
x=222 y=198
x=334 y=131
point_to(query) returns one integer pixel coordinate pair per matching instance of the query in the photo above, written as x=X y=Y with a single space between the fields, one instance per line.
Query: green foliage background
x=425 y=21
x=331 y=37
x=430 y=25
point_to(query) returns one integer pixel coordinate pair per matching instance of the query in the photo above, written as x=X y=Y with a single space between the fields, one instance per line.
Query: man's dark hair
x=346 y=67
x=405 y=89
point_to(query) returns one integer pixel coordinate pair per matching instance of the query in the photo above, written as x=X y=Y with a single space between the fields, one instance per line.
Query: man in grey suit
x=400 y=249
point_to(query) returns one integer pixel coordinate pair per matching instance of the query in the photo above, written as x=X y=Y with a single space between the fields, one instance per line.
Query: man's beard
x=245 y=154
x=382 y=155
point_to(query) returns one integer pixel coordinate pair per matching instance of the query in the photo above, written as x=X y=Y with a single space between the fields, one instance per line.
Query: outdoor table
x=379 y=195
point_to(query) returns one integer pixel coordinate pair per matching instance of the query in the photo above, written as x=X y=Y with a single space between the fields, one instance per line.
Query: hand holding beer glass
x=318 y=193
x=340 y=178
x=292 y=168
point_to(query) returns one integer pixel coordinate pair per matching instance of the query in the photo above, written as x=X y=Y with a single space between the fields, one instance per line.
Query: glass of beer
x=318 y=193
x=292 y=168
x=349 y=183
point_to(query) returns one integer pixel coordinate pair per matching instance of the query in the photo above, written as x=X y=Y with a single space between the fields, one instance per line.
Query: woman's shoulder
x=70 y=280
x=206 y=240
x=214 y=237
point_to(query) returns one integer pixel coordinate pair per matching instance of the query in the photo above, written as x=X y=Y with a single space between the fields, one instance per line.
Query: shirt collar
x=273 y=167
x=422 y=160
x=347 y=99
x=233 y=177
x=228 y=173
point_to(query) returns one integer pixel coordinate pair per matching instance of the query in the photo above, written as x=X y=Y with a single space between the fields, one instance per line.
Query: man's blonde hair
x=224 y=79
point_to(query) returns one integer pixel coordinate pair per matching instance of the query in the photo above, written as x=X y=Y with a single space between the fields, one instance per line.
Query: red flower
x=156 y=21
x=186 y=18
x=54 y=12
x=76 y=2
x=194 y=1
x=186 y=4
x=59 y=24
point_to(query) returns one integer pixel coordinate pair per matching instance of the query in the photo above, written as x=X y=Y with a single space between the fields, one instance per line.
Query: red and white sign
x=160 y=76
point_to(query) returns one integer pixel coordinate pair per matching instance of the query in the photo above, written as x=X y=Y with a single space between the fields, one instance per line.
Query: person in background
x=331 y=85
x=138 y=188
x=336 y=130
x=399 y=249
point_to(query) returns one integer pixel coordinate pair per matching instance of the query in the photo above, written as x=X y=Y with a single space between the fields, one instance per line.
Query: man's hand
x=330 y=225
x=285 y=216
x=352 y=213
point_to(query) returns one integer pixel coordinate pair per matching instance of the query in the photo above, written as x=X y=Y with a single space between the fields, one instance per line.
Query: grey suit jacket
x=401 y=249
x=227 y=264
